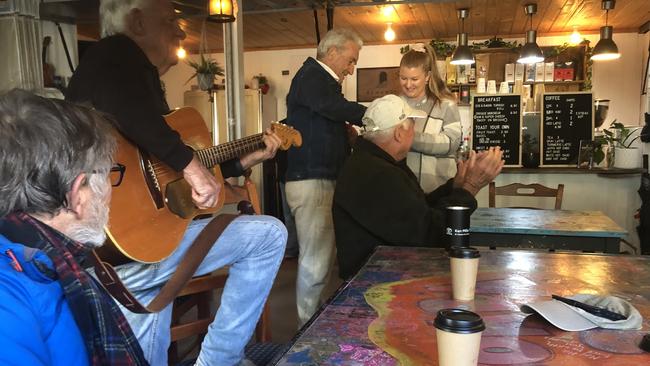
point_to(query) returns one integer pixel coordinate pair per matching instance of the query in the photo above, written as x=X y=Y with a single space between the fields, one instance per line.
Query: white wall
x=619 y=80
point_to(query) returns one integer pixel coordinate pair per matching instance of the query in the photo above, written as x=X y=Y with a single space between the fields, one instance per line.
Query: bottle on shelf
x=463 y=150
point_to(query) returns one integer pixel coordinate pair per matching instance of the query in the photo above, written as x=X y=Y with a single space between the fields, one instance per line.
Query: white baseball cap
x=573 y=319
x=388 y=111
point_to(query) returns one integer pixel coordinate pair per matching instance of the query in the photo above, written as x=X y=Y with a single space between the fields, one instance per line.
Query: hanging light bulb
x=222 y=11
x=387 y=11
x=606 y=49
x=462 y=54
x=530 y=53
x=575 y=37
x=389 y=35
x=181 y=53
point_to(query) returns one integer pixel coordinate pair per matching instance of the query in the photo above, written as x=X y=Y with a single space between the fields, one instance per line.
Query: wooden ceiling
x=281 y=24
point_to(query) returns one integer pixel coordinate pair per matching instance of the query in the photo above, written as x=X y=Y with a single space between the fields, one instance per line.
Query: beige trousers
x=311 y=205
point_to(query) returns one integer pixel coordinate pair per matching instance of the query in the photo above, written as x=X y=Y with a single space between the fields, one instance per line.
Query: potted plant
x=263 y=83
x=621 y=138
x=205 y=71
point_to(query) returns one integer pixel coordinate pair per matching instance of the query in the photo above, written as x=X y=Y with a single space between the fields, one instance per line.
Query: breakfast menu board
x=496 y=121
x=567 y=118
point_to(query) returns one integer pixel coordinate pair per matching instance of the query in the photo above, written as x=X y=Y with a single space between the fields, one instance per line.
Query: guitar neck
x=230 y=150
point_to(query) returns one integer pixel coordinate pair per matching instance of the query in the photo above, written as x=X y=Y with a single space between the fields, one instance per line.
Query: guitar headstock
x=288 y=135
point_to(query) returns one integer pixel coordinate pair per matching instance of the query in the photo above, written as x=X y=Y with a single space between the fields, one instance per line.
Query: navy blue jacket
x=316 y=107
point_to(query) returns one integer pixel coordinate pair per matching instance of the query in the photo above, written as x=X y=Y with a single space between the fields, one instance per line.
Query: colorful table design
x=384 y=315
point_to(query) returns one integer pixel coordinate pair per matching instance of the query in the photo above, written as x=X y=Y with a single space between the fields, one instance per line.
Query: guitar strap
x=184 y=272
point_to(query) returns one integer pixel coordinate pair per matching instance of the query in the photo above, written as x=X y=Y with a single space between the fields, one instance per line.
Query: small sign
x=567 y=118
x=496 y=121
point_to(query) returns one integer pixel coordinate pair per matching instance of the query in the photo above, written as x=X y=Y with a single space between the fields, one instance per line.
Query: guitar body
x=141 y=225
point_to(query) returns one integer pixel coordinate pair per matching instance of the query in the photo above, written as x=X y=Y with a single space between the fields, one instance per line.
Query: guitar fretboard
x=230 y=150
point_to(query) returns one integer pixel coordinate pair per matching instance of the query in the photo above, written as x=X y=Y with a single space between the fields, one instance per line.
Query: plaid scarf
x=108 y=338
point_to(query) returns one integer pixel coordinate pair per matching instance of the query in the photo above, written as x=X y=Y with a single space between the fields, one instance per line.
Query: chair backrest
x=530 y=190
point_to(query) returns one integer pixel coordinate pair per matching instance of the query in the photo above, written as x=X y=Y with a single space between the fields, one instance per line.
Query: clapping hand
x=479 y=170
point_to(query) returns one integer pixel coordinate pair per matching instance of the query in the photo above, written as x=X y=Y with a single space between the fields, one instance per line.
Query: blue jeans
x=253 y=246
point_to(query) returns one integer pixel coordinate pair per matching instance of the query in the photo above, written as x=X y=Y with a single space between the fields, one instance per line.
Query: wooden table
x=589 y=231
x=384 y=315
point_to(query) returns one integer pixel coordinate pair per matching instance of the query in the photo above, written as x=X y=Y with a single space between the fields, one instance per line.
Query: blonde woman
x=437 y=138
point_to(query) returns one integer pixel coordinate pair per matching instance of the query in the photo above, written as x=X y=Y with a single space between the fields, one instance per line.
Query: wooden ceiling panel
x=273 y=24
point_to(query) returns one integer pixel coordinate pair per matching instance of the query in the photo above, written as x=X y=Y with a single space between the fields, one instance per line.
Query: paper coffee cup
x=480 y=86
x=464 y=268
x=492 y=87
x=504 y=88
x=457 y=226
x=458 y=334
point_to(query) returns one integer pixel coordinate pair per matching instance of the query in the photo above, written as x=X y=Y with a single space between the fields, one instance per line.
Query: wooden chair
x=200 y=291
x=530 y=190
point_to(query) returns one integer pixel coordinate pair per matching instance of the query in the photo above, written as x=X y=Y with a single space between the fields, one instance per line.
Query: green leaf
x=598 y=156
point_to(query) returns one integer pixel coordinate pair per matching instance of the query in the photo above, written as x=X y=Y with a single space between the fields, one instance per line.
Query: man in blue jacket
x=55 y=182
x=316 y=107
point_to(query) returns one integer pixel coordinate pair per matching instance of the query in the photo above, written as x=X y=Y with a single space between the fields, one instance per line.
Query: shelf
x=572 y=82
x=551 y=82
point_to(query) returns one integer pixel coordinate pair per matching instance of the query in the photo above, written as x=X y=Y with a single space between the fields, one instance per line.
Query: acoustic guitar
x=152 y=207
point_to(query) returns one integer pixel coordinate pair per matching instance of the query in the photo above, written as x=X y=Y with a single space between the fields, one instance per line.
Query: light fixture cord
x=606 y=17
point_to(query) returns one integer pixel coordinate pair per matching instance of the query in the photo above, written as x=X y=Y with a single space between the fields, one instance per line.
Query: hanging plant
x=590 y=63
x=442 y=48
x=495 y=42
x=205 y=71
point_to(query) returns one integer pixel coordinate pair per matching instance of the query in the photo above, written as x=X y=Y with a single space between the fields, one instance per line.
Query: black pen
x=603 y=313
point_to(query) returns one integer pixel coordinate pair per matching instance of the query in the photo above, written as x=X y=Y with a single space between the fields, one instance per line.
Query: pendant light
x=221 y=11
x=389 y=35
x=575 y=37
x=462 y=54
x=606 y=49
x=530 y=53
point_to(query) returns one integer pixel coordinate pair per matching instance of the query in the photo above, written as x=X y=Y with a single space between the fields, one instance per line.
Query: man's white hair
x=337 y=38
x=382 y=136
x=112 y=14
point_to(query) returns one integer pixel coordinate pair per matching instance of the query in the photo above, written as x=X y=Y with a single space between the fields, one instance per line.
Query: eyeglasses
x=117 y=174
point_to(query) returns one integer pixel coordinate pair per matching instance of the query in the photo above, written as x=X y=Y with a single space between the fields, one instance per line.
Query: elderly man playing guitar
x=120 y=76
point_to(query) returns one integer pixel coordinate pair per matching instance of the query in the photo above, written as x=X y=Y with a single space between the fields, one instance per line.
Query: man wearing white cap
x=378 y=200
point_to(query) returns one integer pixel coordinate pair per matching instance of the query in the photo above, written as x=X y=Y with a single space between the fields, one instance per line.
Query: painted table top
x=384 y=315
x=544 y=222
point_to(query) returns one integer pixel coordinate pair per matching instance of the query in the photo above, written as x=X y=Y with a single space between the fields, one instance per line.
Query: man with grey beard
x=56 y=173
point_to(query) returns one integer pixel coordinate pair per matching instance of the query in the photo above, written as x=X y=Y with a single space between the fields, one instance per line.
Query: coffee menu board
x=567 y=118
x=497 y=122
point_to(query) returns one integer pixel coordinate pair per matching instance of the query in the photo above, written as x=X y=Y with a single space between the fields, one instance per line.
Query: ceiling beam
x=645 y=28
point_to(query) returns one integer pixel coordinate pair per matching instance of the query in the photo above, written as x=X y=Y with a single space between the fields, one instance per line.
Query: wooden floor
x=282 y=300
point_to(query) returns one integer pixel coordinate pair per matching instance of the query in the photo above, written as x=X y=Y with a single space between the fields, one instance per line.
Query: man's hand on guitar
x=272 y=142
x=205 y=188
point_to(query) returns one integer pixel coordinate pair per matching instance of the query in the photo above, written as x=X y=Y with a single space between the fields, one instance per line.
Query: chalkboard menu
x=497 y=122
x=567 y=118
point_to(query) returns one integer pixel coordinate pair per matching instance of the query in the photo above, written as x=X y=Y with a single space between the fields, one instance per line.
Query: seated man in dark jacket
x=378 y=200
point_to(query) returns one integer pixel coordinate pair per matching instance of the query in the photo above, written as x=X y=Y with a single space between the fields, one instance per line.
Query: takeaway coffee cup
x=464 y=267
x=457 y=228
x=480 y=86
x=492 y=86
x=458 y=334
